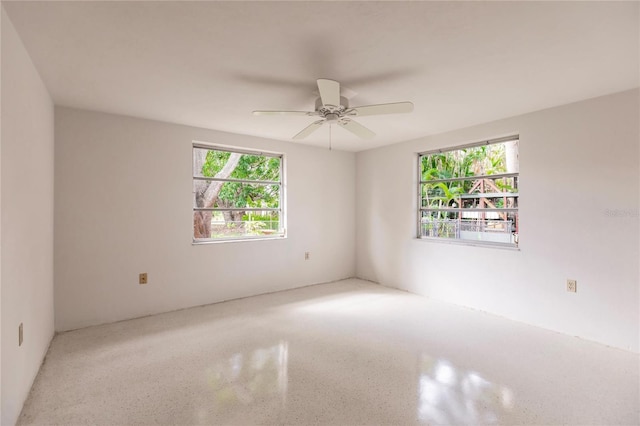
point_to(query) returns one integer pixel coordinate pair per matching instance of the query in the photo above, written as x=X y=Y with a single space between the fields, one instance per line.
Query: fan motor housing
x=344 y=105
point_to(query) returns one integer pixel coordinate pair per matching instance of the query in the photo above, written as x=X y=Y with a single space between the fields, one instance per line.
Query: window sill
x=470 y=243
x=237 y=240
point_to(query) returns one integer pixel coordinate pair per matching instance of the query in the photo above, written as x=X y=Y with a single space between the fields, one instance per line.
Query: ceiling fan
x=334 y=109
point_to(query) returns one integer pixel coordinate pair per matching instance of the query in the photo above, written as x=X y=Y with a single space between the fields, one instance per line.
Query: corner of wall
x=26 y=246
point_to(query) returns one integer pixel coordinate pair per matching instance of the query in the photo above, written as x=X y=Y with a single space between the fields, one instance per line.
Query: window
x=237 y=194
x=470 y=193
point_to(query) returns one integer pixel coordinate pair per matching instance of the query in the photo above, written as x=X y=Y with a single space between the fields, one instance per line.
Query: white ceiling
x=209 y=64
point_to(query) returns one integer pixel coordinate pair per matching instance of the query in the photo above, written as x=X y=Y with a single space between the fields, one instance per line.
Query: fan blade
x=394 y=108
x=329 y=92
x=357 y=129
x=309 y=129
x=308 y=113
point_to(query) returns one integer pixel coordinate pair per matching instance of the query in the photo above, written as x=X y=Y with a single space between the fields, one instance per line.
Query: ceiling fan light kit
x=334 y=109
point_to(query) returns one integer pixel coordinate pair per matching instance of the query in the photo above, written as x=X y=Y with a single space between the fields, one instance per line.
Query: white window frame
x=421 y=209
x=281 y=202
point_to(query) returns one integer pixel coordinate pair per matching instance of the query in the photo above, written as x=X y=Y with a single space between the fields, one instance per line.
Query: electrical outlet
x=572 y=286
x=20 y=335
x=307 y=255
x=143 y=278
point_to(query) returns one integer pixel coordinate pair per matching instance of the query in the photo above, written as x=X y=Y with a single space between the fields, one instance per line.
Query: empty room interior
x=330 y=213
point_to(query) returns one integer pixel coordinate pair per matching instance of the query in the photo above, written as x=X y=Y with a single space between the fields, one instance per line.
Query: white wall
x=576 y=161
x=26 y=221
x=123 y=206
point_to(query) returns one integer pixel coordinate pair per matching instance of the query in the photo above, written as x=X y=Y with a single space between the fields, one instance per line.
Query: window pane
x=476 y=193
x=213 y=194
x=476 y=161
x=236 y=224
x=234 y=165
x=470 y=225
x=439 y=224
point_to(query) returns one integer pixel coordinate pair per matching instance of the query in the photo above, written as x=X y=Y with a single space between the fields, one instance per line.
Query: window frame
x=516 y=175
x=282 y=233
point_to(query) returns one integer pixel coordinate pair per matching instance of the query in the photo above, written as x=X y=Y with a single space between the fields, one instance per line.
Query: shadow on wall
x=386 y=227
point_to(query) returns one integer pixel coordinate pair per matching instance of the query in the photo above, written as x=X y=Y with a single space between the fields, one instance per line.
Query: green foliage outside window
x=471 y=193
x=244 y=182
x=467 y=162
